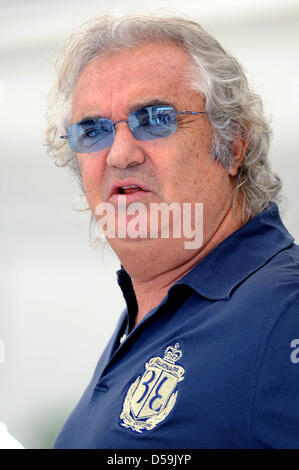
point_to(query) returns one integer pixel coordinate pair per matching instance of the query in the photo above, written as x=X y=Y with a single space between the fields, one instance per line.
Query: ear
x=239 y=147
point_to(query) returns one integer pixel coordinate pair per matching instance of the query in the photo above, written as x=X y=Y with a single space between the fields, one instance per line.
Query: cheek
x=91 y=169
x=194 y=176
x=196 y=168
x=183 y=168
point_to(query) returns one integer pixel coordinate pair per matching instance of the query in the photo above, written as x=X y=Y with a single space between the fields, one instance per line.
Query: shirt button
x=122 y=338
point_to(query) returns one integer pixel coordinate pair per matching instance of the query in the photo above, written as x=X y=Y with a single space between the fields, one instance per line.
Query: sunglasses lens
x=153 y=122
x=90 y=135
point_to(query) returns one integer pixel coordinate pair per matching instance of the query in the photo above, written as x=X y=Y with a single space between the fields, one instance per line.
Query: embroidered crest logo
x=152 y=396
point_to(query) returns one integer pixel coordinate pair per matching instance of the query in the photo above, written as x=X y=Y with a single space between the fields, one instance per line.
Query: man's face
x=176 y=168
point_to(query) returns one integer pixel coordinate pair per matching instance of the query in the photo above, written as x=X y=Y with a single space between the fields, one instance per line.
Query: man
x=153 y=110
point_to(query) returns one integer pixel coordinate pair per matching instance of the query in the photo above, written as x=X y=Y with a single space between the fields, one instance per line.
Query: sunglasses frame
x=186 y=112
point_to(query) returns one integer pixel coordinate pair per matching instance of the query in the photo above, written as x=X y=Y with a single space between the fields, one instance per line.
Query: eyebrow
x=132 y=108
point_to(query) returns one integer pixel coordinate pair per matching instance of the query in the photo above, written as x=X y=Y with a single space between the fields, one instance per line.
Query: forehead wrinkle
x=106 y=75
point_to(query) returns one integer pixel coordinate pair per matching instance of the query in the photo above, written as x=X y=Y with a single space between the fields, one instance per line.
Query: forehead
x=110 y=86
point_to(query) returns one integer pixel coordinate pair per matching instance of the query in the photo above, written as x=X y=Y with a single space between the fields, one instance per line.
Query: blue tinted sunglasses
x=152 y=122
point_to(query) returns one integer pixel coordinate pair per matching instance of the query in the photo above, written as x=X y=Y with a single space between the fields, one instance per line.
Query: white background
x=59 y=300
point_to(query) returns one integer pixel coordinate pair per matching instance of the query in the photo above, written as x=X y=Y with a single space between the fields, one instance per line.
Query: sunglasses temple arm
x=192 y=112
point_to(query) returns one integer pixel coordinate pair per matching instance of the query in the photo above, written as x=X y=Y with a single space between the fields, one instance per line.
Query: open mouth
x=131 y=188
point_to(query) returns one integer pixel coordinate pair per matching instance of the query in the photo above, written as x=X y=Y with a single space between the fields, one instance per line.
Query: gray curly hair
x=232 y=107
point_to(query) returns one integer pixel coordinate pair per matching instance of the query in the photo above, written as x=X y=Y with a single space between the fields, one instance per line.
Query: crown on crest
x=172 y=353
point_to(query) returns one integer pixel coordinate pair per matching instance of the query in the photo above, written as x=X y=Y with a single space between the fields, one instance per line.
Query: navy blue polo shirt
x=214 y=365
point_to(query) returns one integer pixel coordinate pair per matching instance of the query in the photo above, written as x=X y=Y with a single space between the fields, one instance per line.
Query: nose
x=125 y=150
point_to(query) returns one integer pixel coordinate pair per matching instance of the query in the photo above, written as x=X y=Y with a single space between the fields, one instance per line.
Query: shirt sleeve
x=275 y=418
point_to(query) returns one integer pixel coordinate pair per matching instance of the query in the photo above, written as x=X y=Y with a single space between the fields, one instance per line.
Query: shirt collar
x=246 y=250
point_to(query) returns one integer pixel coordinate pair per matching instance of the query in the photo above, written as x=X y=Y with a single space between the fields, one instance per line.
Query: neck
x=161 y=268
